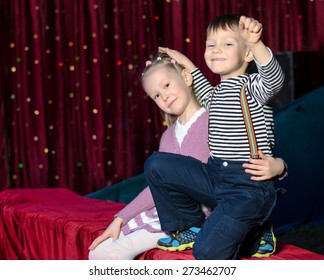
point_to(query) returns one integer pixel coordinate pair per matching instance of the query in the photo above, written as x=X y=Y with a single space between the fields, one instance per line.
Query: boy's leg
x=243 y=205
x=179 y=184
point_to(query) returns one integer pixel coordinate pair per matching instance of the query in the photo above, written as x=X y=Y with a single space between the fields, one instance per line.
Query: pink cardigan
x=141 y=212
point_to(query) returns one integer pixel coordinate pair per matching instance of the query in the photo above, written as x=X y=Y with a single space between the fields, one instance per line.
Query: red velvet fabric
x=51 y=224
x=57 y=224
x=284 y=252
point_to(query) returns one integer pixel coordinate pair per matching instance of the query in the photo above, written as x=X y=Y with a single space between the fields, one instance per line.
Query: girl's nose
x=165 y=96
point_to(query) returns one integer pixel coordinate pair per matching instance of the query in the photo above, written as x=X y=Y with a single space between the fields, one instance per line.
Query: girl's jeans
x=180 y=184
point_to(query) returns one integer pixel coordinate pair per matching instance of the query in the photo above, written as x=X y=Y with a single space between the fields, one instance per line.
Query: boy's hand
x=250 y=30
x=179 y=58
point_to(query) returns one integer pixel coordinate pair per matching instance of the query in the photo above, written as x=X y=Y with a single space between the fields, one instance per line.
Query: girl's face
x=226 y=53
x=169 y=89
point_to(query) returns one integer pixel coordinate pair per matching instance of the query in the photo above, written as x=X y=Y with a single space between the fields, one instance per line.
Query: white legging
x=126 y=247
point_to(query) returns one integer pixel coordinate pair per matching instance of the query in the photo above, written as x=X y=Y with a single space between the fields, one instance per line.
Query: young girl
x=136 y=228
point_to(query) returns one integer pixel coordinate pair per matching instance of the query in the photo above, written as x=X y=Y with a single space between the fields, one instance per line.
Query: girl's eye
x=228 y=44
x=156 y=96
x=167 y=85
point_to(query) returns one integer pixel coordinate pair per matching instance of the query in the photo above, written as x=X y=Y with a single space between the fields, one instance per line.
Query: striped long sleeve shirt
x=227 y=133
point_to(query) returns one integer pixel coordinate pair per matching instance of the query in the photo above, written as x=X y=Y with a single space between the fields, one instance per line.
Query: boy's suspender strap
x=248 y=123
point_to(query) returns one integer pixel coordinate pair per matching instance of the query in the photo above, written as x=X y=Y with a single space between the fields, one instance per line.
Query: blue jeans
x=180 y=184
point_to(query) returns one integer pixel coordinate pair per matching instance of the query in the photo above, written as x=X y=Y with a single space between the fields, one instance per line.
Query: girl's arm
x=266 y=167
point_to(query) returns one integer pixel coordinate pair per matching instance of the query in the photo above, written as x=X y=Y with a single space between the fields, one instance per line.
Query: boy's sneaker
x=267 y=244
x=179 y=241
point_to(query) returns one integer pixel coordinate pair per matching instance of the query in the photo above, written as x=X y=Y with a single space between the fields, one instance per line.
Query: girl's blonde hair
x=164 y=60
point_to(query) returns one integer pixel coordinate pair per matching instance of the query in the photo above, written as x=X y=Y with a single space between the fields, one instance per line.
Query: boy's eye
x=167 y=85
x=210 y=45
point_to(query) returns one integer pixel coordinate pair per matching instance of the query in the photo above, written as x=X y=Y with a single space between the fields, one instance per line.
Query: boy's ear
x=187 y=77
x=248 y=56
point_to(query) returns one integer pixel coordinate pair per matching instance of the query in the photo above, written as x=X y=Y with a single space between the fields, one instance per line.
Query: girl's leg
x=127 y=247
x=179 y=185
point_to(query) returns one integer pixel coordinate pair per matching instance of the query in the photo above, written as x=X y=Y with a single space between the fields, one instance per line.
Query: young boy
x=180 y=184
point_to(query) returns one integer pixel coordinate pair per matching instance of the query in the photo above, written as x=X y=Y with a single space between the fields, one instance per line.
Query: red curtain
x=73 y=113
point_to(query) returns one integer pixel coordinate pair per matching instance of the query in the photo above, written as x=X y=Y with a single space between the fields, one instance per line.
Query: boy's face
x=225 y=53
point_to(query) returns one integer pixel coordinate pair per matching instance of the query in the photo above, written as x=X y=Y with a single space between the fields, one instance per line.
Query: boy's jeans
x=180 y=184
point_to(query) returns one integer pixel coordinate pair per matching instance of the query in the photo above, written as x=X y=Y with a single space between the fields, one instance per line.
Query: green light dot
x=20 y=165
x=18 y=59
x=77 y=58
x=12 y=96
x=14 y=176
x=79 y=164
x=71 y=94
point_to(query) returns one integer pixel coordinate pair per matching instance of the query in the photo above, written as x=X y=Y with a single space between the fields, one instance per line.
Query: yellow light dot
x=28 y=99
x=13 y=69
x=72 y=68
x=95 y=60
x=94 y=137
x=87 y=98
x=36 y=61
x=109 y=162
x=26 y=49
x=95 y=111
x=40 y=166
x=36 y=138
x=12 y=45
x=70 y=44
x=85 y=47
x=109 y=125
x=51 y=127
x=46 y=150
x=187 y=40
x=35 y=36
x=57 y=177
x=94 y=35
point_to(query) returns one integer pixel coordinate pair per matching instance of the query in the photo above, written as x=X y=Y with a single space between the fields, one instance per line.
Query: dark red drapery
x=73 y=113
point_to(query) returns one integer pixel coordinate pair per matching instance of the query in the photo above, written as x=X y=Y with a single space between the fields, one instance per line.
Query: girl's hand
x=112 y=231
x=264 y=168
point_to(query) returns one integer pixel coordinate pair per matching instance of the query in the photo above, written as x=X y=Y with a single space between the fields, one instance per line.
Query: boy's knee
x=153 y=163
